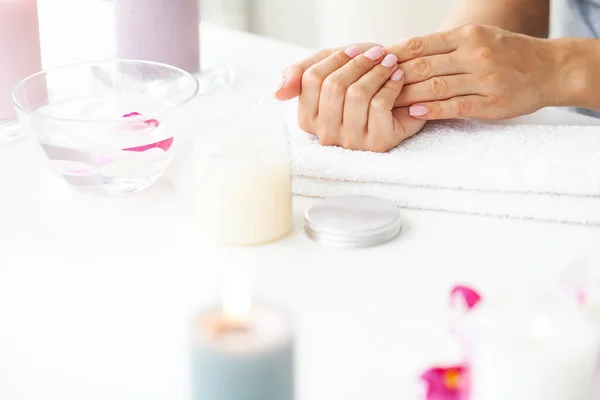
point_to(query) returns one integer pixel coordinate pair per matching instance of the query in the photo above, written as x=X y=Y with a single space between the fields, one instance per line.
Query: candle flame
x=236 y=301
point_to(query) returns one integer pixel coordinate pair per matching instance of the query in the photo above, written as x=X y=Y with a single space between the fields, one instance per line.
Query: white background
x=324 y=23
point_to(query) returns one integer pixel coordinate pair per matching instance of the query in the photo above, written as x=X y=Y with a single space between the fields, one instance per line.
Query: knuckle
x=471 y=31
x=312 y=77
x=421 y=68
x=378 y=103
x=362 y=63
x=463 y=107
x=438 y=87
x=415 y=47
x=334 y=85
x=484 y=54
x=339 y=57
x=494 y=80
x=322 y=54
x=500 y=100
x=357 y=94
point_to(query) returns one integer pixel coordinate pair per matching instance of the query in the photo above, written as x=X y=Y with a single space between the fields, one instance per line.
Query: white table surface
x=96 y=293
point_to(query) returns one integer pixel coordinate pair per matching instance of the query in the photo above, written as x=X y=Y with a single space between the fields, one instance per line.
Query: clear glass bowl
x=106 y=127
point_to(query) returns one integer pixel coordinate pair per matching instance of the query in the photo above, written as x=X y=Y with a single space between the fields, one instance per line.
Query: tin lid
x=353 y=221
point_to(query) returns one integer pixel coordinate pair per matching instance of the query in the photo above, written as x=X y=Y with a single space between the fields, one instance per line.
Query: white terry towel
x=521 y=171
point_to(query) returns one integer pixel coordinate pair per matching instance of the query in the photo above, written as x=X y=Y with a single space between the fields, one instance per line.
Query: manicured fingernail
x=375 y=53
x=396 y=76
x=353 y=51
x=389 y=61
x=281 y=84
x=418 y=111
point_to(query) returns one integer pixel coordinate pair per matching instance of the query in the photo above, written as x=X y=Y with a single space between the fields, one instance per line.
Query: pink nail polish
x=397 y=75
x=353 y=51
x=375 y=53
x=389 y=61
x=418 y=111
x=281 y=84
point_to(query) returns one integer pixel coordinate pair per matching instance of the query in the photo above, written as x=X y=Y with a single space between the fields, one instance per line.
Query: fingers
x=364 y=79
x=331 y=80
x=457 y=107
x=384 y=99
x=312 y=82
x=291 y=81
x=428 y=45
x=422 y=68
x=378 y=118
x=438 y=88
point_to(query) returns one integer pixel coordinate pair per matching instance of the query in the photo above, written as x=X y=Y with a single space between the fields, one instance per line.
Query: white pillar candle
x=242 y=184
x=525 y=352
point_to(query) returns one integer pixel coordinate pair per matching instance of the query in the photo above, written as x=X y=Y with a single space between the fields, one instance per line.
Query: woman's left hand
x=478 y=71
x=348 y=98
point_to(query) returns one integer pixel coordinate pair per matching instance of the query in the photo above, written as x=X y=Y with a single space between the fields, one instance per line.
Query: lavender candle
x=165 y=31
x=242 y=353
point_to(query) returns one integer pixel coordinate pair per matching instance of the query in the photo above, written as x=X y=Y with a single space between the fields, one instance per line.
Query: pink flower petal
x=165 y=145
x=470 y=296
x=150 y=123
x=132 y=114
x=446 y=383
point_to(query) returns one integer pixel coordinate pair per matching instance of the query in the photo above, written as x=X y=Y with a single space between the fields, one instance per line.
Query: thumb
x=291 y=83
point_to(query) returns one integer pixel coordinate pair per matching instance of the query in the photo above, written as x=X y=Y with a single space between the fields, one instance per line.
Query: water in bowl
x=105 y=157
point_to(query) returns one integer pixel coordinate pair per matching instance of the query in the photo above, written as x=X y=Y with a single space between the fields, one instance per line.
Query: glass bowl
x=106 y=127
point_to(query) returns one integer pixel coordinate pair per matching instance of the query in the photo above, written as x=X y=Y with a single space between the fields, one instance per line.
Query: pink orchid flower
x=446 y=383
x=452 y=383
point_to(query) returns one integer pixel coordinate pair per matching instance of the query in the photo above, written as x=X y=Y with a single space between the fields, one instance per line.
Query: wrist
x=575 y=62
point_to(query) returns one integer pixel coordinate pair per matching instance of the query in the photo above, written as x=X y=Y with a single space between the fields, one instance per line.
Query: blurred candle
x=242 y=352
x=19 y=50
x=243 y=182
x=165 y=31
x=523 y=352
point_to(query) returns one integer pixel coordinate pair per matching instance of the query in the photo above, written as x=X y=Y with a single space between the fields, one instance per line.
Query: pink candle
x=164 y=31
x=19 y=49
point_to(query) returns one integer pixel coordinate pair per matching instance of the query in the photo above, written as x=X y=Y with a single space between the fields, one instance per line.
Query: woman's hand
x=478 y=71
x=471 y=71
x=348 y=99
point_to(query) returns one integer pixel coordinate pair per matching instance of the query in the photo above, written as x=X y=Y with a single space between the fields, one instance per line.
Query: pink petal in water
x=150 y=123
x=132 y=114
x=164 y=145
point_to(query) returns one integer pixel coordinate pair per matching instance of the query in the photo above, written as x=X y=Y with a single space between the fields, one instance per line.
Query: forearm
x=577 y=73
x=530 y=17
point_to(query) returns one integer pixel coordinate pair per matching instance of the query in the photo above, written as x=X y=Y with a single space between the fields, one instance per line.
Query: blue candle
x=243 y=356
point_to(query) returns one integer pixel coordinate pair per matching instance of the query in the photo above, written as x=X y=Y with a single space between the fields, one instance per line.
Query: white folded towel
x=523 y=171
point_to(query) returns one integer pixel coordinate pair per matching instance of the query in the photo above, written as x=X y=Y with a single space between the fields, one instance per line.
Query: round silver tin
x=353 y=221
